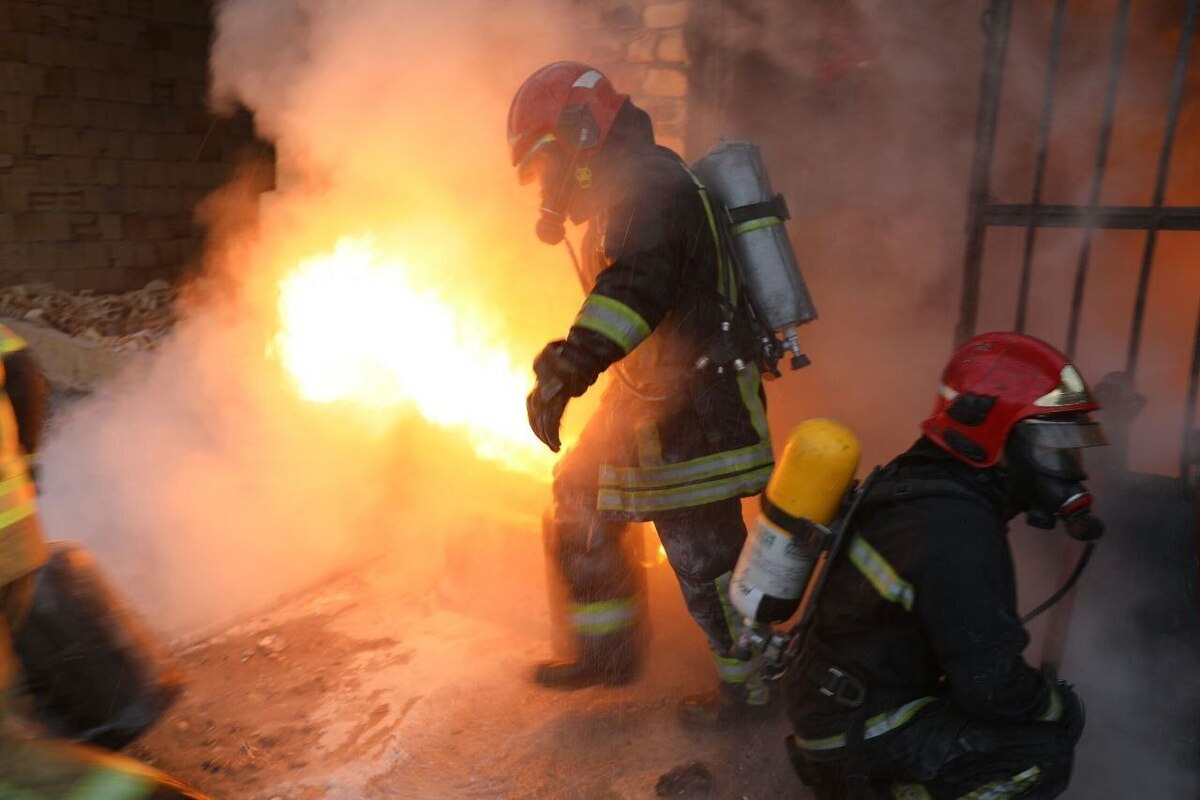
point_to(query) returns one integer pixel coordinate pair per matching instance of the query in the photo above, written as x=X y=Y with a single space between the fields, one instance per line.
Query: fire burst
x=354 y=329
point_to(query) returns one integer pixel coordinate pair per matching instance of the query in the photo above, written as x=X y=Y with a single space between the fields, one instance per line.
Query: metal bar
x=1039 y=168
x=1000 y=18
x=1178 y=80
x=1120 y=36
x=1169 y=218
x=1189 y=410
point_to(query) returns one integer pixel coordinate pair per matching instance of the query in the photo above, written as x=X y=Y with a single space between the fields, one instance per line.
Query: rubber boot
x=610 y=660
x=729 y=705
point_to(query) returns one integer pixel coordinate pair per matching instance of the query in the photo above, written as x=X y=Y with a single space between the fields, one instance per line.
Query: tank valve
x=792 y=343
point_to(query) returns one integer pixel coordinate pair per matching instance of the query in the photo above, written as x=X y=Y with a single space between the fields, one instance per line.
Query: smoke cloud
x=203 y=481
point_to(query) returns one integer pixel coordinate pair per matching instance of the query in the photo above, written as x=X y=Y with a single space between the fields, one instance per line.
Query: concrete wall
x=105 y=141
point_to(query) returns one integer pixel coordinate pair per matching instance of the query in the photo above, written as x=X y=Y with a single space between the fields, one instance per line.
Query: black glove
x=558 y=380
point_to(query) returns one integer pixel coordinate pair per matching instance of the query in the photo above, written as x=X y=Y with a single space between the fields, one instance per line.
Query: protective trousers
x=946 y=755
x=598 y=585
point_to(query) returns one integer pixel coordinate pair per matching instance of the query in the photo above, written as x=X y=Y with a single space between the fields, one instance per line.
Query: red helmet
x=565 y=102
x=997 y=380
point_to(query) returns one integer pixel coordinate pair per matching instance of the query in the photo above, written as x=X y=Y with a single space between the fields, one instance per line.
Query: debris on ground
x=136 y=320
x=687 y=780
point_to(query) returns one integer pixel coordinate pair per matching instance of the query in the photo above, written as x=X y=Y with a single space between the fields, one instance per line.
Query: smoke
x=203 y=481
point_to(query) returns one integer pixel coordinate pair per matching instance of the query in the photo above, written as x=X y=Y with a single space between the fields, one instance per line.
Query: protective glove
x=558 y=380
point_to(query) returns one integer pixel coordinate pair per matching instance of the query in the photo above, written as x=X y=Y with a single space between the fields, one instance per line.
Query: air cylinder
x=790 y=535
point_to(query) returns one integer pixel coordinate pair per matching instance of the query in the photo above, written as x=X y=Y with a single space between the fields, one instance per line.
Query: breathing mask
x=1046 y=468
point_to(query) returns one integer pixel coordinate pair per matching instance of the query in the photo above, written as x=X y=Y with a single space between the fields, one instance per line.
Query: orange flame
x=354 y=328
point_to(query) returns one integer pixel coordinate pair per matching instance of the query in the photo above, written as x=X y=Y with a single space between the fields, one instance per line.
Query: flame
x=356 y=329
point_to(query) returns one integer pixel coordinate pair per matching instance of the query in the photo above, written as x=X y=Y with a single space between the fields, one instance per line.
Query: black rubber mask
x=1047 y=483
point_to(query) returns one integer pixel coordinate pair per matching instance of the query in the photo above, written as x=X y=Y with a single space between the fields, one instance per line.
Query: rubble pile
x=136 y=320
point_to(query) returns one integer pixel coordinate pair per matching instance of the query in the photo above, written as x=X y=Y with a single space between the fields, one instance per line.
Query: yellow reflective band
x=614 y=320
x=15 y=515
x=749 y=382
x=1002 y=790
x=605 y=616
x=875 y=726
x=643 y=502
x=1054 y=708
x=698 y=469
x=756 y=224
x=110 y=784
x=726 y=281
x=732 y=620
x=910 y=791
x=879 y=572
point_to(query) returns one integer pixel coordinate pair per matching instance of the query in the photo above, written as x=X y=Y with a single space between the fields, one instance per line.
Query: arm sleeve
x=967 y=605
x=640 y=286
x=26 y=388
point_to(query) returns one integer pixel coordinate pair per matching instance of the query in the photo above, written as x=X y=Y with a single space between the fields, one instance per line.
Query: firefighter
x=671 y=442
x=912 y=683
x=35 y=769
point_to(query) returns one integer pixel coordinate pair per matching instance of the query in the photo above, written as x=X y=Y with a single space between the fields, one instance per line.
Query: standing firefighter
x=33 y=769
x=671 y=443
x=911 y=683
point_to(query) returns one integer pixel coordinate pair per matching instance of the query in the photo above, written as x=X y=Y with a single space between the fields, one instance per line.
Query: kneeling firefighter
x=910 y=681
x=681 y=434
x=41 y=769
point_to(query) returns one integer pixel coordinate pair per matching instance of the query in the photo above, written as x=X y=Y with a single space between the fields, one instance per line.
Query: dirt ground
x=376 y=685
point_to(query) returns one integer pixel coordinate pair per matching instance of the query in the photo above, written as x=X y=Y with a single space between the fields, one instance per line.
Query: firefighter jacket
x=659 y=286
x=922 y=608
x=22 y=548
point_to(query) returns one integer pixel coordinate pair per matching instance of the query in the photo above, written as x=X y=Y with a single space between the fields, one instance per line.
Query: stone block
x=110 y=227
x=13 y=46
x=143 y=145
x=107 y=172
x=16 y=108
x=7 y=227
x=117 y=7
x=84 y=228
x=642 y=48
x=53 y=111
x=61 y=81
x=122 y=30
x=42 y=257
x=666 y=15
x=672 y=48
x=122 y=59
x=41 y=226
x=117 y=144
x=93 y=142
x=22 y=78
x=87 y=84
x=12 y=139
x=665 y=82
x=14 y=197
x=14 y=256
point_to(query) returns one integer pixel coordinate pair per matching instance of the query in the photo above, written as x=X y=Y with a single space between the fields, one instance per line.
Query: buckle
x=835 y=683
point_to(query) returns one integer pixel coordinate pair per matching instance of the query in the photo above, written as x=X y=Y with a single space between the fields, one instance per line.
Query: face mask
x=1047 y=483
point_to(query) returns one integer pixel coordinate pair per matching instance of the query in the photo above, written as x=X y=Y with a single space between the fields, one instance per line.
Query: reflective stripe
x=605 y=616
x=643 y=502
x=880 y=573
x=749 y=382
x=727 y=285
x=733 y=670
x=733 y=620
x=15 y=515
x=910 y=791
x=698 y=469
x=613 y=319
x=1001 y=790
x=110 y=784
x=756 y=224
x=875 y=726
x=1054 y=708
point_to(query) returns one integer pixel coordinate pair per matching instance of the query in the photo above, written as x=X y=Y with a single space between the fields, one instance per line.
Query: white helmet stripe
x=588 y=80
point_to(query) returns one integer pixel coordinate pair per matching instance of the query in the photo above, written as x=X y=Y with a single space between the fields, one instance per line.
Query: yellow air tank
x=790 y=535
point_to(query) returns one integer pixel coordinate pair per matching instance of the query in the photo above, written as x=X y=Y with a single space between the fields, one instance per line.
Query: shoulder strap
x=896 y=490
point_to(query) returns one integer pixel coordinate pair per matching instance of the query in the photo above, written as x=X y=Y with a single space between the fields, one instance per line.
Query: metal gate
x=984 y=212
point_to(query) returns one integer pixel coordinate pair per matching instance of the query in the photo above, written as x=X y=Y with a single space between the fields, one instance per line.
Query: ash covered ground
x=368 y=687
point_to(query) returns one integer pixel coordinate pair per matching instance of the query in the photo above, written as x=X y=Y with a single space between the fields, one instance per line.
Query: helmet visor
x=1062 y=431
x=540 y=159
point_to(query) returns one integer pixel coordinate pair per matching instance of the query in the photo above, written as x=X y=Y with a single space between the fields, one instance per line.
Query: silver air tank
x=735 y=177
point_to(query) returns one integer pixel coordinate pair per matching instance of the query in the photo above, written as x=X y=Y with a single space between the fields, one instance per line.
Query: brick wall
x=105 y=141
x=640 y=45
